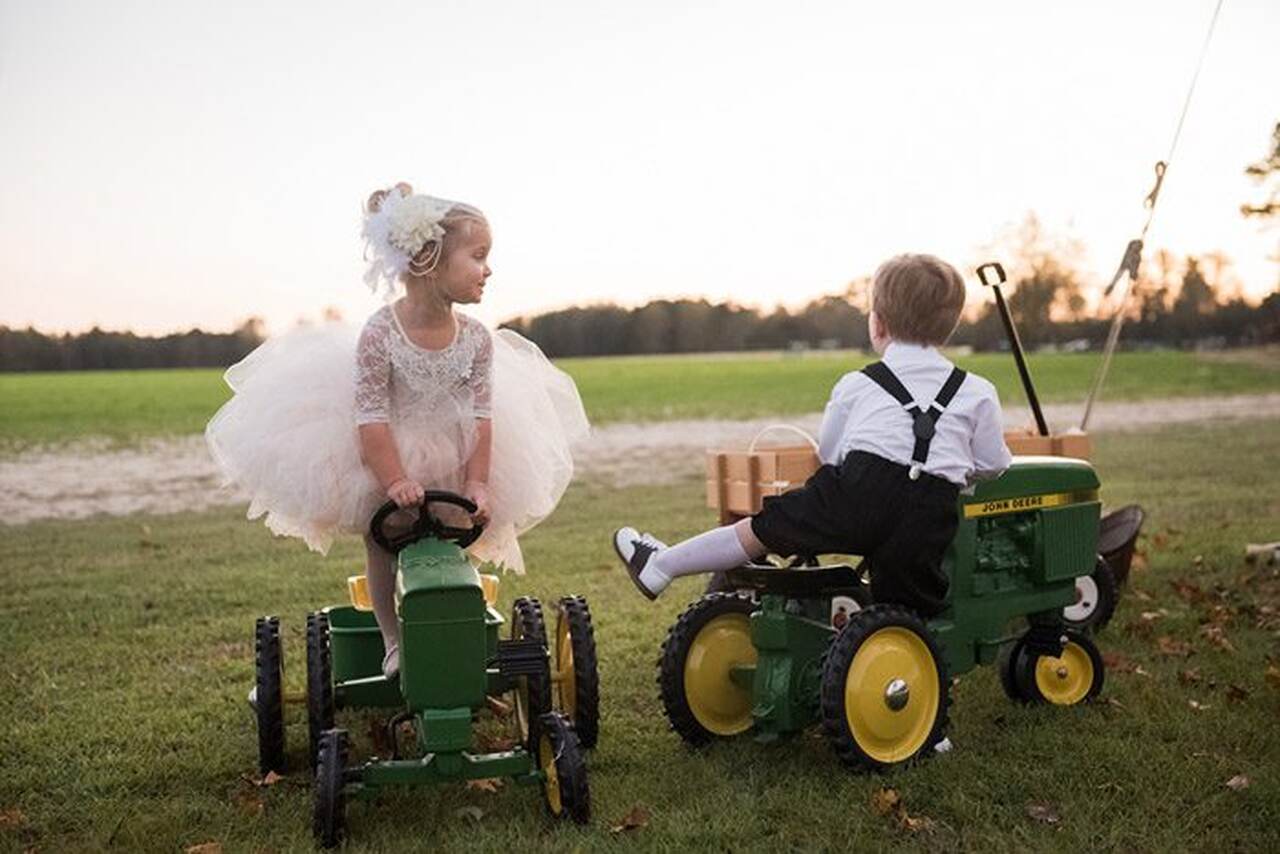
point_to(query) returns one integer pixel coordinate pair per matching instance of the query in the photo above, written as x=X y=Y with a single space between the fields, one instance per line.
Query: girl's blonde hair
x=456 y=223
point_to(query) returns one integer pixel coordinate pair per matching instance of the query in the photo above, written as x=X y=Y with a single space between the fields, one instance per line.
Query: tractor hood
x=1032 y=483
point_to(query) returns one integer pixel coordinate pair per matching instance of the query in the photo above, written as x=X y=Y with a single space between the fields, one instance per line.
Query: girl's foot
x=391 y=662
x=635 y=550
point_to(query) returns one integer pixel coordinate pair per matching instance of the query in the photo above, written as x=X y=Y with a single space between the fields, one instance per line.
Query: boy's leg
x=653 y=566
x=380 y=569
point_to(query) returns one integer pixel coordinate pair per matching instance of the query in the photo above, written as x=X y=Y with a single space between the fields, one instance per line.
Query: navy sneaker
x=635 y=549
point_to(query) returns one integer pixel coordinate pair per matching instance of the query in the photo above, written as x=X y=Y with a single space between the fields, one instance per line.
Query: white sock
x=712 y=551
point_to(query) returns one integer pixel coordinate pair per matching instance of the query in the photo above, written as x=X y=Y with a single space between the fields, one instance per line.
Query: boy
x=892 y=467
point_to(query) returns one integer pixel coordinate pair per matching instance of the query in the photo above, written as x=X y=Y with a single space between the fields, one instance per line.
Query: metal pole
x=1014 y=342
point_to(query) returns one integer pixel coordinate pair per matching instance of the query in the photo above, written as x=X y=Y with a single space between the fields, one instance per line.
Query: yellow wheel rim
x=718 y=704
x=566 y=682
x=1065 y=681
x=891 y=694
x=547 y=762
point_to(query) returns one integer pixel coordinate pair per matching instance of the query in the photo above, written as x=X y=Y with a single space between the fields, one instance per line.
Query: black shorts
x=869 y=506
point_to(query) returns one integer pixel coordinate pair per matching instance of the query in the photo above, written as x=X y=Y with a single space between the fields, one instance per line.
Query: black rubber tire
x=570 y=765
x=1108 y=595
x=1025 y=666
x=857 y=630
x=1009 y=654
x=533 y=692
x=675 y=650
x=320 y=707
x=586 y=670
x=268 y=694
x=328 y=817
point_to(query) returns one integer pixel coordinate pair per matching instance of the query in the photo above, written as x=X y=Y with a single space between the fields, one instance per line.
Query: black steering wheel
x=426 y=525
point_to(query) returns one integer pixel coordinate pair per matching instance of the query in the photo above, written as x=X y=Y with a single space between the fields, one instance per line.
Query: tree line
x=98 y=349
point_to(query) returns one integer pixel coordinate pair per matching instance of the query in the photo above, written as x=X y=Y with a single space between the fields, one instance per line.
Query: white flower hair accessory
x=396 y=234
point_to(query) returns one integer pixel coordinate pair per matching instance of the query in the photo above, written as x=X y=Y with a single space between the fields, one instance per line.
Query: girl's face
x=463 y=272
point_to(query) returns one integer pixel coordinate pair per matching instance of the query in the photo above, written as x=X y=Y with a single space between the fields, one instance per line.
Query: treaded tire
x=268 y=694
x=835 y=724
x=328 y=817
x=1026 y=661
x=570 y=763
x=319 y=682
x=533 y=693
x=1006 y=664
x=675 y=651
x=586 y=672
x=1104 y=591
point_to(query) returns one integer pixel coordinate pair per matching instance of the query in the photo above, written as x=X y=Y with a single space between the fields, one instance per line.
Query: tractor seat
x=796 y=582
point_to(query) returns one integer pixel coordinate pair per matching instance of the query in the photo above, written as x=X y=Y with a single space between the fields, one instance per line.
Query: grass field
x=127 y=657
x=124 y=406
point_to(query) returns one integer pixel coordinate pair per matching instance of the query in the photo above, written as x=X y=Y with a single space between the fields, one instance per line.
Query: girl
x=329 y=422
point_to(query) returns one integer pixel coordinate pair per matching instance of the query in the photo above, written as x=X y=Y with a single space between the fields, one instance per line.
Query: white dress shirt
x=968 y=444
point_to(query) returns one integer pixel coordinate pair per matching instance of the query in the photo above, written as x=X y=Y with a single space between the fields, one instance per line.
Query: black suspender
x=924 y=420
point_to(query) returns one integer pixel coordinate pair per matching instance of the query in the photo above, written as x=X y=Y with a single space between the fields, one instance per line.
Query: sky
x=165 y=165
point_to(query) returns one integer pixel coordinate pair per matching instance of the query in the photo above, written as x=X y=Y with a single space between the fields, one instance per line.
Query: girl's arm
x=477 y=472
x=378 y=452
x=372 y=410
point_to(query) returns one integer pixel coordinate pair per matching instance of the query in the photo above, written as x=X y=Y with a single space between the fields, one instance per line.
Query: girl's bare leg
x=381 y=572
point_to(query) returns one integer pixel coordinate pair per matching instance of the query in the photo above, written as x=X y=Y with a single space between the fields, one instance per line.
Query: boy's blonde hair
x=918 y=298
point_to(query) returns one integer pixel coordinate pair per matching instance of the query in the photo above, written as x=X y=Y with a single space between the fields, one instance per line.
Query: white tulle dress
x=289 y=438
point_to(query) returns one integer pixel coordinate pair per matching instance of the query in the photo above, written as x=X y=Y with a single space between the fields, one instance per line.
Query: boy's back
x=968 y=444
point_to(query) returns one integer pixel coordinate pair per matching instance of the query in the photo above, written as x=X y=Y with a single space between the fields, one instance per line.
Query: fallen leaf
x=1199 y=707
x=1236 y=694
x=885 y=801
x=1171 y=646
x=250 y=802
x=1112 y=701
x=1273 y=676
x=1198 y=560
x=1141 y=672
x=1216 y=636
x=485 y=784
x=1117 y=663
x=1043 y=812
x=1187 y=591
x=1189 y=677
x=1160 y=540
x=636 y=818
x=12 y=818
x=1152 y=616
x=1237 y=783
x=915 y=824
x=204 y=848
x=1141 y=596
x=1138 y=563
x=469 y=813
x=271 y=779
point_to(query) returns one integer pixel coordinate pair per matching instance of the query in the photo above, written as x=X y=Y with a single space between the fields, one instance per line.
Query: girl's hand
x=479 y=494
x=405 y=492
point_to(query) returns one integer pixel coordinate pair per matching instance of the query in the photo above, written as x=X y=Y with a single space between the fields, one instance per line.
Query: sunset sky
x=167 y=165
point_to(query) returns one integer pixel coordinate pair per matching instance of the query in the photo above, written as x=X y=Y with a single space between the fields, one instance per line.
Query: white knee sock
x=381 y=574
x=712 y=551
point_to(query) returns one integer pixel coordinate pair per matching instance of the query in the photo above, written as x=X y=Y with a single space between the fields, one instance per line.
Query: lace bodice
x=397 y=381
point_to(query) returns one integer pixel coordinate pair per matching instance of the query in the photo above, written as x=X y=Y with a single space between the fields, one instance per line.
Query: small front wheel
x=576 y=675
x=564 y=768
x=706 y=666
x=884 y=689
x=267 y=697
x=1063 y=680
x=328 y=820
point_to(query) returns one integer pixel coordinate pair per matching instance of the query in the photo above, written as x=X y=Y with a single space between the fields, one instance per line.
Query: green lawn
x=128 y=656
x=124 y=406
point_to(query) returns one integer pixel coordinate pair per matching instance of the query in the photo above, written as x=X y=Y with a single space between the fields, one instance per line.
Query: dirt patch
x=167 y=476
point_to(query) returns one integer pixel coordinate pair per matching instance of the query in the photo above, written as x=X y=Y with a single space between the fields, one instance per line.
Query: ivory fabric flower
x=414 y=222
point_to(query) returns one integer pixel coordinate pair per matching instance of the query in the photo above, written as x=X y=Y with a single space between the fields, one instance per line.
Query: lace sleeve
x=482 y=374
x=373 y=374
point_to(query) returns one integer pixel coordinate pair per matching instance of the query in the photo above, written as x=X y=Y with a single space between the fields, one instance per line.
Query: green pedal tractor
x=791 y=647
x=453 y=666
